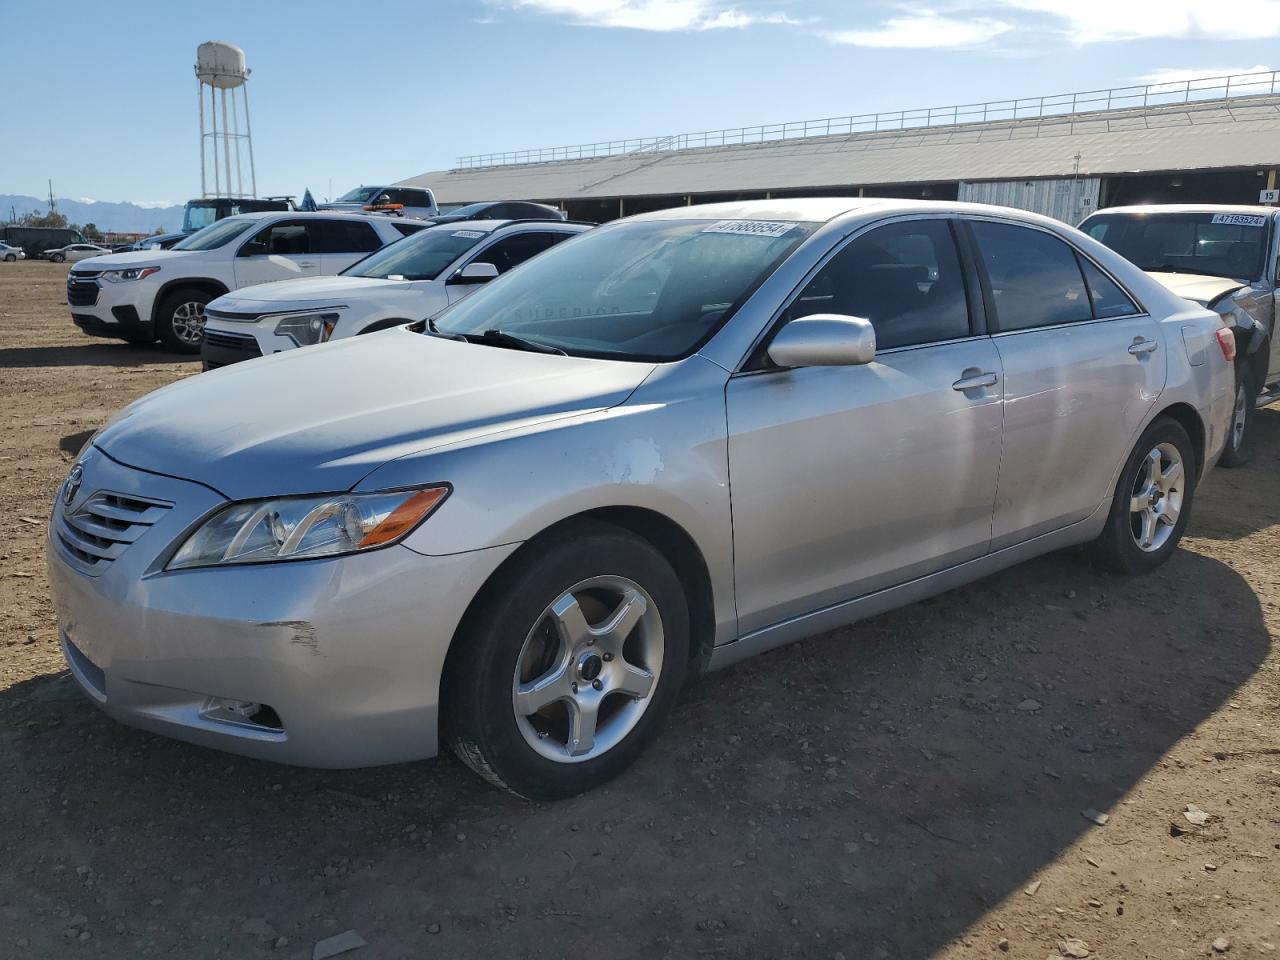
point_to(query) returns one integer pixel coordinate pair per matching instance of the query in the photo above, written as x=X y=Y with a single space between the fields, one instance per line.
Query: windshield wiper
x=500 y=338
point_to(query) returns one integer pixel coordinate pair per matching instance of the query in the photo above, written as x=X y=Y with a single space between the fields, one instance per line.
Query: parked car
x=1225 y=258
x=160 y=241
x=501 y=210
x=417 y=203
x=161 y=294
x=75 y=252
x=674 y=442
x=203 y=211
x=406 y=281
x=9 y=254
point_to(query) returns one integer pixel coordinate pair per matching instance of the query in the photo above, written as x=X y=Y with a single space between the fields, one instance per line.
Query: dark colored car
x=501 y=210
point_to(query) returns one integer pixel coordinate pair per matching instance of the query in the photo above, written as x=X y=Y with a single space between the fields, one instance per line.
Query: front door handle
x=1141 y=346
x=306 y=264
x=976 y=381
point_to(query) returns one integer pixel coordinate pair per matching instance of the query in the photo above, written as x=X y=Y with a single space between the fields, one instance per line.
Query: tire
x=1121 y=547
x=1239 y=448
x=10 y=258
x=58 y=258
x=527 y=639
x=176 y=327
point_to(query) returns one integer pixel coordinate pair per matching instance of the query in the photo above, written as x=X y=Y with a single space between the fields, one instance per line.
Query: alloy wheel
x=1156 y=500
x=188 y=322
x=588 y=669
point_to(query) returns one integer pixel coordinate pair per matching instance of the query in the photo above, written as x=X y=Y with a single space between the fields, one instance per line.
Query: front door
x=847 y=480
x=1082 y=366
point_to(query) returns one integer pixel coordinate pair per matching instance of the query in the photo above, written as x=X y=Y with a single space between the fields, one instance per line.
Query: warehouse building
x=1206 y=141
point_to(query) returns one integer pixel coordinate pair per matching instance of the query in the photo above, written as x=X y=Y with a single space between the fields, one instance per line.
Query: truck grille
x=82 y=291
x=103 y=526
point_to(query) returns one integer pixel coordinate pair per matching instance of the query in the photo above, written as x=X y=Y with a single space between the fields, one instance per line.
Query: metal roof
x=1240 y=132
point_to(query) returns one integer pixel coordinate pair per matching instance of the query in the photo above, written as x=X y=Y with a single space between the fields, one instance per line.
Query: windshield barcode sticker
x=468 y=234
x=1240 y=219
x=754 y=228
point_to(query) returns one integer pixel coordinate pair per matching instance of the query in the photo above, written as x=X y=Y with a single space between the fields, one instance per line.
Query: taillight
x=1227 y=343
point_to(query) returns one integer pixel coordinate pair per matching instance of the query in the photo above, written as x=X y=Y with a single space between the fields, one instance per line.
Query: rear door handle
x=1141 y=346
x=976 y=382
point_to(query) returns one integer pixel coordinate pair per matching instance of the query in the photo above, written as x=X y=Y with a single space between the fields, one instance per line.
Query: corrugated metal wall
x=1067 y=199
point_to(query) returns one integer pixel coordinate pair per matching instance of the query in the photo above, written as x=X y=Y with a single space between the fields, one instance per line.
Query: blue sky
x=101 y=96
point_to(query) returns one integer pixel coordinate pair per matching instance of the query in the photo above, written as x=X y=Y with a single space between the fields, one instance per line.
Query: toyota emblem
x=72 y=486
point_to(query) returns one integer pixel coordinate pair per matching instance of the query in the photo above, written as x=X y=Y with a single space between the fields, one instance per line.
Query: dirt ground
x=912 y=787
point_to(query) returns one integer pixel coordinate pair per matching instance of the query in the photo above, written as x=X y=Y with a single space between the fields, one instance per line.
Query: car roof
x=306 y=214
x=1252 y=208
x=489 y=226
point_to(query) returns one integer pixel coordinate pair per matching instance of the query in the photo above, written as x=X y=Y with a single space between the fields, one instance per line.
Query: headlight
x=306 y=329
x=133 y=273
x=295 y=528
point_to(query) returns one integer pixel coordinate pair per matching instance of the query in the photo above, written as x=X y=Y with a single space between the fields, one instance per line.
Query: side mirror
x=475 y=272
x=824 y=340
x=254 y=248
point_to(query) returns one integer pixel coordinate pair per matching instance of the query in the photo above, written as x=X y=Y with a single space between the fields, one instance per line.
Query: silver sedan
x=660 y=447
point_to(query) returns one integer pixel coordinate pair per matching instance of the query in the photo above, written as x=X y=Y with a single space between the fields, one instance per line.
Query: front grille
x=81 y=292
x=221 y=348
x=103 y=526
x=230 y=317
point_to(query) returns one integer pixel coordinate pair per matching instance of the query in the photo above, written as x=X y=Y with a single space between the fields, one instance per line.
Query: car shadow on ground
x=871 y=793
x=106 y=354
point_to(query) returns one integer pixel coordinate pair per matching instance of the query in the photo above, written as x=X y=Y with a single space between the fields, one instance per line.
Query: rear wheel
x=571 y=664
x=180 y=321
x=58 y=257
x=1152 y=501
x=1239 y=448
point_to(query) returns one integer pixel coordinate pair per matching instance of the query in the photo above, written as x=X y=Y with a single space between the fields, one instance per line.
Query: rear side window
x=1107 y=297
x=515 y=250
x=348 y=236
x=905 y=278
x=1035 y=278
x=410 y=198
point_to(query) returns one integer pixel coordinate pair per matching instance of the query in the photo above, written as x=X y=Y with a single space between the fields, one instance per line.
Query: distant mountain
x=117 y=217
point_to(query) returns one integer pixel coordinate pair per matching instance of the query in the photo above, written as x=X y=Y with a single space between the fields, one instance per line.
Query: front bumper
x=229 y=341
x=108 y=309
x=347 y=653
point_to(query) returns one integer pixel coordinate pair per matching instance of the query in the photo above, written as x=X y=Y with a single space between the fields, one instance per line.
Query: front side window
x=408 y=198
x=360 y=195
x=215 y=235
x=645 y=290
x=422 y=256
x=1035 y=278
x=905 y=278
x=279 y=240
x=1217 y=244
x=514 y=250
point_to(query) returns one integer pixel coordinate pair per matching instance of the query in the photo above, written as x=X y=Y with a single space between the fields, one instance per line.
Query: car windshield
x=646 y=290
x=360 y=195
x=214 y=235
x=422 y=256
x=1217 y=244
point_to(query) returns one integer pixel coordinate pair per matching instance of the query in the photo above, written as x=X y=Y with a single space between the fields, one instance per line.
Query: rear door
x=343 y=242
x=1083 y=365
x=283 y=250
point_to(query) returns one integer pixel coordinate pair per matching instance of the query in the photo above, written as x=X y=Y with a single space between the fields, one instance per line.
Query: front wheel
x=1239 y=448
x=10 y=258
x=58 y=258
x=180 y=321
x=571 y=662
x=1152 y=501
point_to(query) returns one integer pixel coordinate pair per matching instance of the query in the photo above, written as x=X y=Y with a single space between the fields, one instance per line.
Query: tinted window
x=1035 y=278
x=348 y=236
x=1108 y=299
x=288 y=238
x=905 y=278
x=410 y=198
x=1217 y=244
x=420 y=257
x=515 y=250
x=404 y=229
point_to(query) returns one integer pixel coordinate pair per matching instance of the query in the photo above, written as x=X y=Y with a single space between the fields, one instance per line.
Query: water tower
x=220 y=71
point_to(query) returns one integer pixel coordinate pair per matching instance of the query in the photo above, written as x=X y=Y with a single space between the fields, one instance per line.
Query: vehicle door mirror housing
x=254 y=248
x=476 y=272
x=824 y=340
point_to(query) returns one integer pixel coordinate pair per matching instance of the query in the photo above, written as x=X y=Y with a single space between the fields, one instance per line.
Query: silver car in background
x=660 y=447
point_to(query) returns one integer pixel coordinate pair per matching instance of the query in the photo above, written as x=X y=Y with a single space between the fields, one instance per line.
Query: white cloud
x=657 y=15
x=1178 y=76
x=924 y=29
x=1094 y=21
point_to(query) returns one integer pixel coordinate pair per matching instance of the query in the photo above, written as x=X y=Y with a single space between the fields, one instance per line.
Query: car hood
x=1194 y=286
x=131 y=258
x=303 y=291
x=320 y=419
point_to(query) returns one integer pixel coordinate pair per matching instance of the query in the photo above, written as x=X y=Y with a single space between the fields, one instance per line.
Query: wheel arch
x=204 y=284
x=1186 y=416
x=659 y=531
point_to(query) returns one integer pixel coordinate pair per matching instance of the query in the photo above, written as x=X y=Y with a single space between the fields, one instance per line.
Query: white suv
x=413 y=279
x=147 y=295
